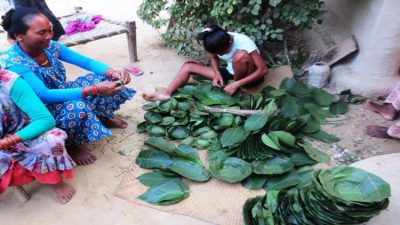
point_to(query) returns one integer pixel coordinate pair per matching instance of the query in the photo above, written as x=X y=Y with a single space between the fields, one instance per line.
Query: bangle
x=95 y=89
x=3 y=144
x=13 y=139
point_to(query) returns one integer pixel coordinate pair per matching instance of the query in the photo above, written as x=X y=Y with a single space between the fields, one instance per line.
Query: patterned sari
x=80 y=118
x=43 y=158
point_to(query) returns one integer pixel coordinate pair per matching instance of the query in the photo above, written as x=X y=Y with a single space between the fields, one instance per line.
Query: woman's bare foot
x=64 y=192
x=386 y=110
x=377 y=131
x=115 y=123
x=155 y=96
x=81 y=155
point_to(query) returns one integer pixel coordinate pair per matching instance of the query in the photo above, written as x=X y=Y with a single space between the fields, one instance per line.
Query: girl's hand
x=218 y=81
x=230 y=89
x=122 y=75
x=109 y=88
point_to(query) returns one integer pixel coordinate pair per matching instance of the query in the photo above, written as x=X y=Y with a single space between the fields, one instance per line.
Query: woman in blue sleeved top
x=30 y=148
x=84 y=107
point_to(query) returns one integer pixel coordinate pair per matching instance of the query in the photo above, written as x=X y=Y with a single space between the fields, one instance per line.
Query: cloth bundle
x=82 y=24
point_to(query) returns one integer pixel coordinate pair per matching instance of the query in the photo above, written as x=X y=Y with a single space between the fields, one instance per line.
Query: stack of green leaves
x=265 y=150
x=340 y=195
x=169 y=163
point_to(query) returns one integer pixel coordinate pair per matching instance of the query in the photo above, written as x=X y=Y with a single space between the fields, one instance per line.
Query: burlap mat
x=213 y=201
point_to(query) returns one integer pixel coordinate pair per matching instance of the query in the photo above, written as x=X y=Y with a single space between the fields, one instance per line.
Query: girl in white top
x=245 y=64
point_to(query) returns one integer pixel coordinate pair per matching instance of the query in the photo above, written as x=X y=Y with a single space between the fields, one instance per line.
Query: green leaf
x=209 y=135
x=233 y=136
x=314 y=153
x=254 y=181
x=226 y=120
x=142 y=127
x=167 y=106
x=166 y=193
x=284 y=137
x=178 y=132
x=323 y=136
x=301 y=158
x=153 y=178
x=161 y=144
x=312 y=126
x=269 y=142
x=149 y=106
x=277 y=165
x=187 y=141
x=189 y=169
x=179 y=113
x=354 y=185
x=230 y=169
x=282 y=181
x=149 y=159
x=187 y=152
x=201 y=144
x=155 y=130
x=274 y=3
x=183 y=106
x=339 y=107
x=255 y=122
x=168 y=120
x=322 y=97
x=229 y=10
x=152 y=117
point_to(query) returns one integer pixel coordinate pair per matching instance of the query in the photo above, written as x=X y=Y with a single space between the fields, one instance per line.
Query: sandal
x=133 y=70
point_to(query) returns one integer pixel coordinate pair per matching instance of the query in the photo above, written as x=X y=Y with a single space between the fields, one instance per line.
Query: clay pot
x=318 y=74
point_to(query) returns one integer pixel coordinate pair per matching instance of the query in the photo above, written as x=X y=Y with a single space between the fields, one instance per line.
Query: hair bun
x=6 y=19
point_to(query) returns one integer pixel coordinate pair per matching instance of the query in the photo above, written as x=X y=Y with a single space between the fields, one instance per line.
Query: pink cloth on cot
x=77 y=26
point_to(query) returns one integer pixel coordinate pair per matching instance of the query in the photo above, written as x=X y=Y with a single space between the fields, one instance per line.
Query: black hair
x=15 y=21
x=214 y=38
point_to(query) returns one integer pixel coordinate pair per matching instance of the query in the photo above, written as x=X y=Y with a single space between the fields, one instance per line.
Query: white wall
x=374 y=70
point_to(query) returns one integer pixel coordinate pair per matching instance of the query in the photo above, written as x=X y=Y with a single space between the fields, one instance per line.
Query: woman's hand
x=9 y=141
x=108 y=88
x=122 y=75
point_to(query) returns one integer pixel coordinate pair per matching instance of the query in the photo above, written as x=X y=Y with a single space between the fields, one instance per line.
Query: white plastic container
x=318 y=74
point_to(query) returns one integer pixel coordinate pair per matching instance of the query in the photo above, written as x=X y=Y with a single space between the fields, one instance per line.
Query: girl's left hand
x=122 y=75
x=230 y=89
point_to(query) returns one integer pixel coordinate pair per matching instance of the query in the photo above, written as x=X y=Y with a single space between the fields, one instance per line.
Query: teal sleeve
x=72 y=57
x=41 y=119
x=45 y=94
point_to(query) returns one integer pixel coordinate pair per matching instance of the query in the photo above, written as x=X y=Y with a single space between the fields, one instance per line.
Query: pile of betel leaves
x=257 y=140
x=340 y=195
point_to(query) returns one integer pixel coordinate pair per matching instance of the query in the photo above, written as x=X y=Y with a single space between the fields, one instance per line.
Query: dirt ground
x=94 y=202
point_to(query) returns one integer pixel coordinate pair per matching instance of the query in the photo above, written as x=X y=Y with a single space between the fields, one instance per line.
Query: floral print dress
x=80 y=118
x=43 y=155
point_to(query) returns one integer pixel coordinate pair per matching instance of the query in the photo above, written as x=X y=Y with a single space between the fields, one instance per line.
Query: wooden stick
x=239 y=112
x=131 y=35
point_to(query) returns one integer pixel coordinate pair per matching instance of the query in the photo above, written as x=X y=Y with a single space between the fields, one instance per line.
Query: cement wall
x=374 y=70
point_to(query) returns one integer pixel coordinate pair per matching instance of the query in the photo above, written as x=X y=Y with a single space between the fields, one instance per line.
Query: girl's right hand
x=218 y=81
x=109 y=88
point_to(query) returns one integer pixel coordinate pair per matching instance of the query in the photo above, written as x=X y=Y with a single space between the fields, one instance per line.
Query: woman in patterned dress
x=388 y=110
x=84 y=107
x=29 y=149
